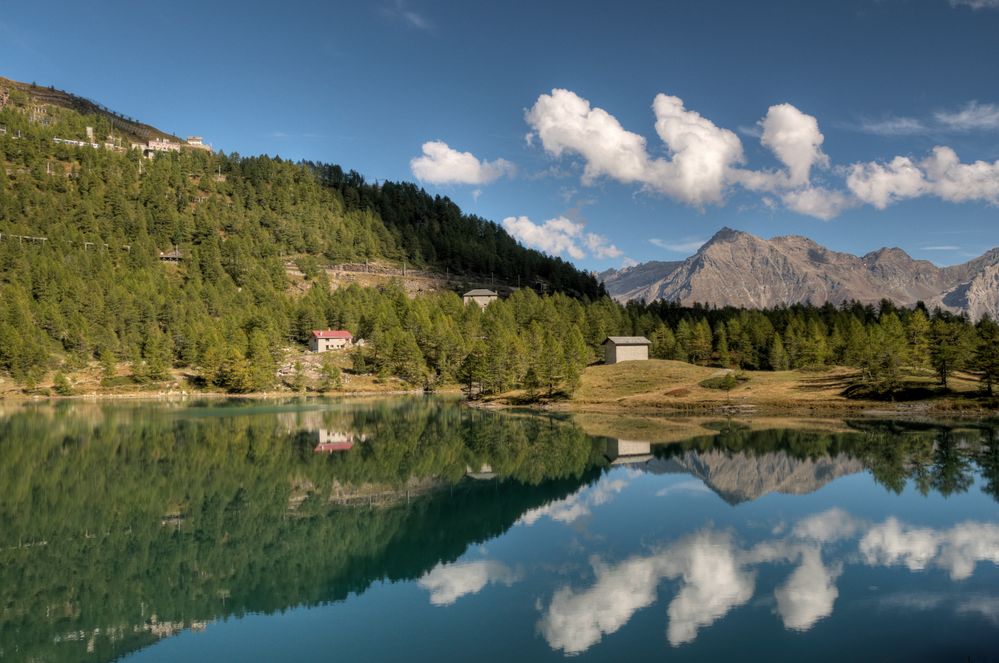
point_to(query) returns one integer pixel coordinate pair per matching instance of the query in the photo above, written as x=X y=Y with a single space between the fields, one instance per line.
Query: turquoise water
x=414 y=529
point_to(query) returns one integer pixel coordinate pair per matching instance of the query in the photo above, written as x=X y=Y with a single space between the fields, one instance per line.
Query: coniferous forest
x=95 y=292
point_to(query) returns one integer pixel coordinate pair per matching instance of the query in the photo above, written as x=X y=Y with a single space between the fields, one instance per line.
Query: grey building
x=626 y=348
x=480 y=296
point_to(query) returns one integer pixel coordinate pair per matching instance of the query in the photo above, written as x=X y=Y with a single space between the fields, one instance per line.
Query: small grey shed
x=626 y=348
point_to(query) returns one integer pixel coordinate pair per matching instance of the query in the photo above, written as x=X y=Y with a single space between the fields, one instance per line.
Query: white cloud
x=892 y=126
x=690 y=487
x=882 y=184
x=959 y=182
x=577 y=505
x=440 y=164
x=795 y=139
x=702 y=154
x=704 y=159
x=575 y=621
x=831 y=525
x=565 y=122
x=560 y=236
x=942 y=247
x=972 y=116
x=957 y=550
x=449 y=582
x=941 y=174
x=600 y=248
x=684 y=245
x=809 y=594
x=716 y=576
x=976 y=4
x=983 y=606
x=817 y=201
x=399 y=11
x=713 y=584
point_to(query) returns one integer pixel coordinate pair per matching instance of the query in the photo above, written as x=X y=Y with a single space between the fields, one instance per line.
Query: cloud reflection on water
x=449 y=582
x=716 y=575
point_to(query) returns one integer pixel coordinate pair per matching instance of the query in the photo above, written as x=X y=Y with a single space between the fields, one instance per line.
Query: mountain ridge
x=736 y=268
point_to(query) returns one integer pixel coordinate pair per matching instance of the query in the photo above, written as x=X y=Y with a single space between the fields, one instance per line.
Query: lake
x=416 y=529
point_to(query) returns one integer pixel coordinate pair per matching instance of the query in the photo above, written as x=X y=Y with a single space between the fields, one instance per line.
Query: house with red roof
x=323 y=340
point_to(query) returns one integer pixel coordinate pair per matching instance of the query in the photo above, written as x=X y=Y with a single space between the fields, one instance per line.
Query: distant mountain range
x=735 y=268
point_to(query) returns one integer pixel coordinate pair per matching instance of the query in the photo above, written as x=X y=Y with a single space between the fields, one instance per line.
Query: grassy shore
x=646 y=387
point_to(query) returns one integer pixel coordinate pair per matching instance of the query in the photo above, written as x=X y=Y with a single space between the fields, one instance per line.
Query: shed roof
x=332 y=333
x=627 y=340
x=480 y=292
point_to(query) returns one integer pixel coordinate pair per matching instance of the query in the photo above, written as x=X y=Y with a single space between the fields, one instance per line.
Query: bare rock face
x=977 y=297
x=735 y=268
x=633 y=282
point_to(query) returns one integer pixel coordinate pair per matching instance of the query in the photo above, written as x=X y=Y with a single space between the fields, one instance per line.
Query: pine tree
x=986 y=358
x=777 y=356
x=721 y=347
x=917 y=330
x=577 y=357
x=663 y=342
x=298 y=376
x=235 y=374
x=700 y=344
x=684 y=341
x=947 y=348
x=472 y=371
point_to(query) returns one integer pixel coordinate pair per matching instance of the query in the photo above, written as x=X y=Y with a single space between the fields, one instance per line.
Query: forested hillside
x=82 y=285
x=82 y=229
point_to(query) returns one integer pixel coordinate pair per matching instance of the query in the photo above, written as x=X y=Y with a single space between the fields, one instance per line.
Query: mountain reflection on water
x=126 y=523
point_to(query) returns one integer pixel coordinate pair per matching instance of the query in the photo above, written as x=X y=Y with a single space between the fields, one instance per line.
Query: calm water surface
x=413 y=529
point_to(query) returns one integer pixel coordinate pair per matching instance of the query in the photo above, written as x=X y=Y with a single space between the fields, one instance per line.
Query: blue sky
x=605 y=132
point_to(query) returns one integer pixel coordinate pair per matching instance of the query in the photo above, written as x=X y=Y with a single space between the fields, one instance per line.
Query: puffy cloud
x=941 y=174
x=716 y=576
x=449 y=582
x=713 y=584
x=882 y=184
x=702 y=154
x=704 y=159
x=831 y=525
x=441 y=164
x=959 y=182
x=565 y=122
x=817 y=201
x=560 y=236
x=795 y=140
x=577 y=505
x=575 y=621
x=957 y=550
x=809 y=594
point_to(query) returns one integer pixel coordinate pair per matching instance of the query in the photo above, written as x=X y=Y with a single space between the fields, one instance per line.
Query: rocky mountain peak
x=735 y=268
